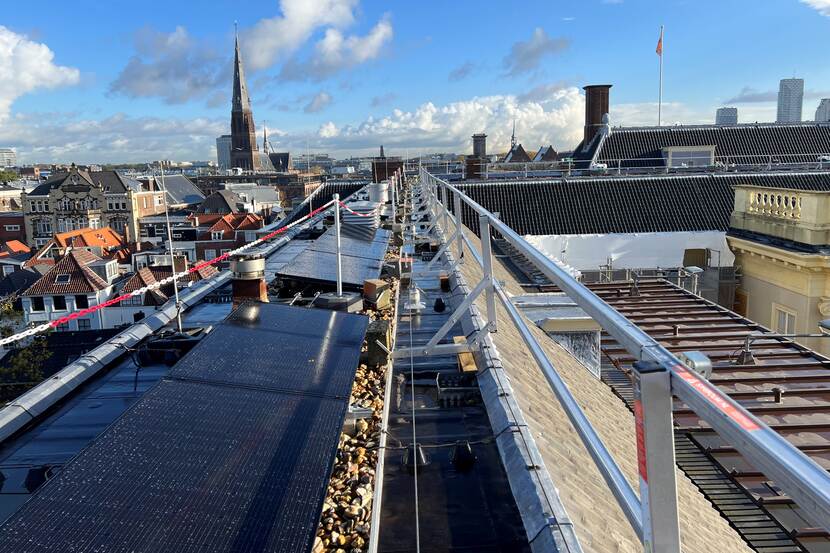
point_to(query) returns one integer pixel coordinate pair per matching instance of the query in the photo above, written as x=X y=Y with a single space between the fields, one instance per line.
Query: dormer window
x=63 y=278
x=216 y=235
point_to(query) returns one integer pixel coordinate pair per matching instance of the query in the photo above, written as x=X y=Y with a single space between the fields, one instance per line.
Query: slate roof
x=82 y=279
x=603 y=205
x=221 y=201
x=545 y=153
x=741 y=144
x=111 y=181
x=182 y=191
x=18 y=280
x=517 y=154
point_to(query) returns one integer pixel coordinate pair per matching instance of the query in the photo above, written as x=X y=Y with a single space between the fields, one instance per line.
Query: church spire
x=244 y=152
x=513 y=136
x=240 y=88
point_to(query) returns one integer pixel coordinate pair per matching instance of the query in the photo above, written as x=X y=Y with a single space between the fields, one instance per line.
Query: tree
x=7 y=176
x=26 y=365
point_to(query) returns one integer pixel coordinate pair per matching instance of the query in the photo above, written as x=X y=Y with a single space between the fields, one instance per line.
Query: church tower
x=244 y=152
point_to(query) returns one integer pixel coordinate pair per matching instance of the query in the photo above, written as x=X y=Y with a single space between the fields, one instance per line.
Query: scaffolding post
x=655 y=457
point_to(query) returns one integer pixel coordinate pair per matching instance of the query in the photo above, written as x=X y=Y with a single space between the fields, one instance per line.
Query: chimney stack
x=249 y=279
x=596 y=106
x=480 y=145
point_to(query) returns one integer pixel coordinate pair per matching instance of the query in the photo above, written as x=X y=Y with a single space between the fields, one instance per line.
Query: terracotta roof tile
x=70 y=275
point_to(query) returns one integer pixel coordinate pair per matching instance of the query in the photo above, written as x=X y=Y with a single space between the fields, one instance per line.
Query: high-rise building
x=223 y=151
x=790 y=100
x=726 y=116
x=823 y=111
x=8 y=157
x=244 y=151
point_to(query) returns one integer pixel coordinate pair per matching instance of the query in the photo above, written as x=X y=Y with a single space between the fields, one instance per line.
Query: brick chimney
x=249 y=279
x=596 y=106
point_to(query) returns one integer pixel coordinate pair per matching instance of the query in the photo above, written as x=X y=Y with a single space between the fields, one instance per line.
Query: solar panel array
x=232 y=453
x=360 y=260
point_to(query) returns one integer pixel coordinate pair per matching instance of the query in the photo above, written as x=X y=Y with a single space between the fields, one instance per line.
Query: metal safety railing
x=659 y=375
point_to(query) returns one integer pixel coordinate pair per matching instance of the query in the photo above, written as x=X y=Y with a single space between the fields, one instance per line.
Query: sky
x=90 y=81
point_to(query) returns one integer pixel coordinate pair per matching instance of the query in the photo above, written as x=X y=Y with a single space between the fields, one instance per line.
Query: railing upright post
x=336 y=199
x=444 y=211
x=459 y=225
x=655 y=456
x=487 y=256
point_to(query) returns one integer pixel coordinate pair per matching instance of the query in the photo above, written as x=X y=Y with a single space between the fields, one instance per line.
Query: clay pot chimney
x=249 y=279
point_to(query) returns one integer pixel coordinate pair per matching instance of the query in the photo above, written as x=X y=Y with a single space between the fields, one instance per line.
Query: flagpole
x=660 y=95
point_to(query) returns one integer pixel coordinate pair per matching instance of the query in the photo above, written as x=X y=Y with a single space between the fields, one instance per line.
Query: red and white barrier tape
x=353 y=212
x=156 y=285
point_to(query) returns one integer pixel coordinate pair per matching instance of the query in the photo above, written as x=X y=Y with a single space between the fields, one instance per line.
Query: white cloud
x=822 y=6
x=319 y=102
x=525 y=56
x=556 y=119
x=173 y=67
x=25 y=66
x=328 y=130
x=56 y=137
x=273 y=37
x=336 y=52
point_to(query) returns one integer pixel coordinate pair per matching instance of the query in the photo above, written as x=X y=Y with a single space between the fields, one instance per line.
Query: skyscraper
x=790 y=100
x=823 y=111
x=244 y=152
x=223 y=151
x=726 y=116
x=8 y=157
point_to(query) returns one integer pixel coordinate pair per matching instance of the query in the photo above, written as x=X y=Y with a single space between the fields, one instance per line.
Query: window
x=81 y=302
x=84 y=324
x=135 y=300
x=699 y=156
x=12 y=228
x=8 y=269
x=224 y=251
x=63 y=327
x=144 y=202
x=210 y=254
x=783 y=319
x=159 y=200
x=44 y=226
x=37 y=304
x=40 y=242
x=216 y=235
x=59 y=303
x=63 y=278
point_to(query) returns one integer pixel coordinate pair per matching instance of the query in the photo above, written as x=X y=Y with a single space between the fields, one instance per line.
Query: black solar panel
x=281 y=348
x=360 y=260
x=231 y=454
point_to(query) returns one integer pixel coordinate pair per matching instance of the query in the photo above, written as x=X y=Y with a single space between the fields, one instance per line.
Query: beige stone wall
x=599 y=522
x=767 y=281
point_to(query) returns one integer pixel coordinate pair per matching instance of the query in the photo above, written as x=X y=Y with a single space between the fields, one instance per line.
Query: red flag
x=660 y=43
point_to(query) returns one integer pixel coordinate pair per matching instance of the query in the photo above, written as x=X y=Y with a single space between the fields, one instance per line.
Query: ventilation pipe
x=596 y=108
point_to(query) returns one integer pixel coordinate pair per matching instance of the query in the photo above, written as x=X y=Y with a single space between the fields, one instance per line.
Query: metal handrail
x=802 y=478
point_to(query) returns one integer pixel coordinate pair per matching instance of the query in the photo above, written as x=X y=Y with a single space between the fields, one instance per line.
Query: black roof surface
x=603 y=205
x=182 y=190
x=111 y=181
x=232 y=457
x=744 y=144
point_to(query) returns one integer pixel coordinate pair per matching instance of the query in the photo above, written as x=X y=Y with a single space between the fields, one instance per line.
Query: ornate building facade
x=80 y=199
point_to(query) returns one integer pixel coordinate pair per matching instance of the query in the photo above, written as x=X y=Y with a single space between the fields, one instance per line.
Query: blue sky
x=142 y=81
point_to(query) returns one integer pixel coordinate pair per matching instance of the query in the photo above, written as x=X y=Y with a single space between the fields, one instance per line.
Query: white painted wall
x=631 y=251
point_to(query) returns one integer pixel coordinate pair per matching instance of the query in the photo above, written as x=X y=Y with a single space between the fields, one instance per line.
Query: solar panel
x=193 y=467
x=233 y=452
x=280 y=348
x=360 y=260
